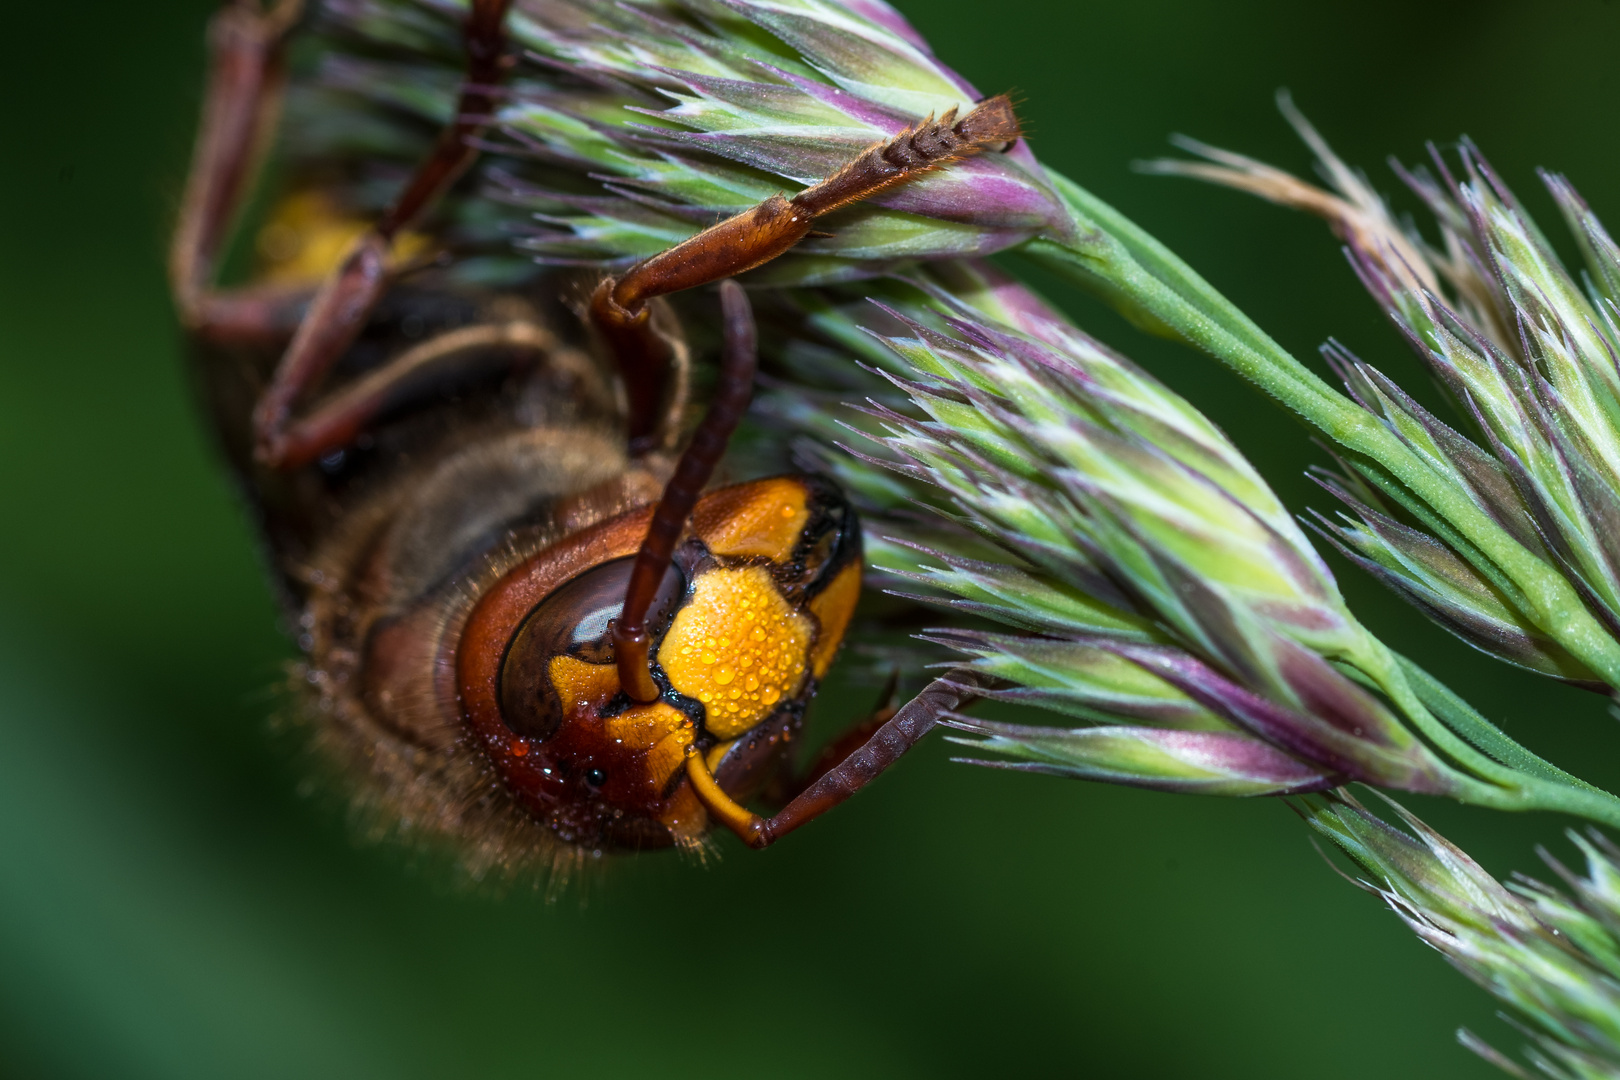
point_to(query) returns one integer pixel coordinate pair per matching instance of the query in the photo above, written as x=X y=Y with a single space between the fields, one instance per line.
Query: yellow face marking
x=669 y=753
x=737 y=647
x=578 y=682
x=308 y=235
x=641 y=726
x=660 y=729
x=767 y=523
x=833 y=607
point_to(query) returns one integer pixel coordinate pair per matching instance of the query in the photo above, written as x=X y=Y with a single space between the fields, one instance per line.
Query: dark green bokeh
x=169 y=906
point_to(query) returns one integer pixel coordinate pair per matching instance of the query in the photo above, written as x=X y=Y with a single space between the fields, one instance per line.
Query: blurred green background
x=171 y=906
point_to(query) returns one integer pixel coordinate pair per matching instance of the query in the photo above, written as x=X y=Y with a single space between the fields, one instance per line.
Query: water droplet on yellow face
x=776 y=652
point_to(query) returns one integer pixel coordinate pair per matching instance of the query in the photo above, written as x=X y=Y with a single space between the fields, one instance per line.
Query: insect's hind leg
x=347 y=297
x=872 y=758
x=763 y=232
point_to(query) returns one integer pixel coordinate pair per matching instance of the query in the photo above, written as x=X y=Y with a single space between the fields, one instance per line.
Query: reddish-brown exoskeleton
x=521 y=612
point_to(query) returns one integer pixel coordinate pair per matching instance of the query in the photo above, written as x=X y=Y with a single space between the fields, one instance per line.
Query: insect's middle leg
x=339 y=418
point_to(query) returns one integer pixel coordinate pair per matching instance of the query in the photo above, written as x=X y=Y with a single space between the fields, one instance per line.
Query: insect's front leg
x=903 y=730
x=347 y=297
x=841 y=746
x=243 y=98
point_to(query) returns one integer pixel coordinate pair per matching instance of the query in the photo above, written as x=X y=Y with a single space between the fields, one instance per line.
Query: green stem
x=1515 y=780
x=1511 y=778
x=1462 y=718
x=1533 y=793
x=1382 y=667
x=1150 y=284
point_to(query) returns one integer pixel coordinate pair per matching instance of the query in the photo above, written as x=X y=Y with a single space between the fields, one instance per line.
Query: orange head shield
x=745 y=623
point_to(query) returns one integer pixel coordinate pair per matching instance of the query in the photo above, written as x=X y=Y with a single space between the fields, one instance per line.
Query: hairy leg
x=847 y=742
x=246 y=44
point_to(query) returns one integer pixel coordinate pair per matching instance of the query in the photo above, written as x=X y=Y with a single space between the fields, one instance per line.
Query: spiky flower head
x=1151 y=583
x=1135 y=571
x=1553 y=958
x=681 y=112
x=626 y=128
x=1118 y=519
x=1530 y=360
